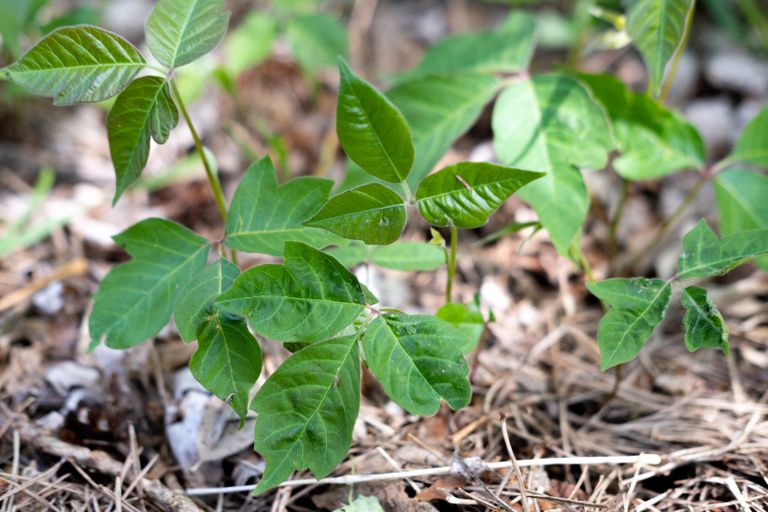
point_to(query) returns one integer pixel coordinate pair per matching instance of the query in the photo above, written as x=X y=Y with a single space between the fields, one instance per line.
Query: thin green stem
x=584 y=262
x=451 y=264
x=670 y=78
x=213 y=180
x=409 y=197
x=670 y=221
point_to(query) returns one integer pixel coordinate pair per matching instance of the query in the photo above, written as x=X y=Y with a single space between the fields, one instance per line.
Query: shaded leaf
x=637 y=306
x=307 y=410
x=752 y=146
x=180 y=31
x=316 y=40
x=351 y=255
x=465 y=194
x=227 y=362
x=311 y=297
x=409 y=256
x=135 y=299
x=657 y=28
x=653 y=141
x=469 y=321
x=250 y=43
x=195 y=304
x=506 y=49
x=15 y=18
x=263 y=216
x=371 y=129
x=552 y=124
x=740 y=196
x=704 y=255
x=704 y=325
x=82 y=64
x=372 y=213
x=418 y=361
x=144 y=109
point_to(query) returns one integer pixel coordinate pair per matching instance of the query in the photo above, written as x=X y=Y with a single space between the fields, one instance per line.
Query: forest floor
x=131 y=430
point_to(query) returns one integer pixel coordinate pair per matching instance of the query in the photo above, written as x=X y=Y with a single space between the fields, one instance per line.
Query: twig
x=71 y=269
x=645 y=458
x=513 y=460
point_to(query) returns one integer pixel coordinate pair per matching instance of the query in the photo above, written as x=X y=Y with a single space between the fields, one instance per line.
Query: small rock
x=738 y=71
x=49 y=300
x=716 y=121
x=68 y=374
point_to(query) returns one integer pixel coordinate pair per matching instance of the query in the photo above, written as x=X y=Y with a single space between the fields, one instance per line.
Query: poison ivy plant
x=405 y=256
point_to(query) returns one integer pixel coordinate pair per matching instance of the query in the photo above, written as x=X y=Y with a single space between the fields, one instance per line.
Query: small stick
x=513 y=460
x=644 y=458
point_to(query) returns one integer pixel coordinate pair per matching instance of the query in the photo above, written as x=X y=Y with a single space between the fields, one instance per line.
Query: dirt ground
x=131 y=430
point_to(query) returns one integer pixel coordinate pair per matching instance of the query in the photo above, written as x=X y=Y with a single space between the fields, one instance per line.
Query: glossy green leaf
x=740 y=196
x=704 y=325
x=637 y=306
x=657 y=28
x=506 y=49
x=227 y=361
x=263 y=216
x=180 y=31
x=82 y=64
x=465 y=194
x=195 y=304
x=371 y=129
x=144 y=109
x=439 y=109
x=316 y=40
x=469 y=321
x=653 y=141
x=311 y=297
x=250 y=43
x=704 y=255
x=418 y=361
x=409 y=256
x=552 y=124
x=135 y=299
x=752 y=146
x=307 y=410
x=372 y=213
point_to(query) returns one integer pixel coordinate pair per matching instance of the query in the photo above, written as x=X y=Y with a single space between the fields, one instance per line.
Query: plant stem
x=616 y=220
x=451 y=264
x=667 y=84
x=670 y=221
x=213 y=180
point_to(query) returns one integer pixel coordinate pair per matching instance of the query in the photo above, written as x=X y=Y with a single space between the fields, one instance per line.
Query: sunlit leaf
x=752 y=146
x=195 y=304
x=469 y=321
x=704 y=255
x=81 y=64
x=307 y=410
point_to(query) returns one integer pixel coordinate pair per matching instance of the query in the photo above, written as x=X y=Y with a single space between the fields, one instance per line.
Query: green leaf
x=409 y=256
x=316 y=40
x=704 y=325
x=227 y=362
x=351 y=255
x=752 y=146
x=657 y=28
x=506 y=49
x=465 y=194
x=372 y=213
x=704 y=255
x=78 y=15
x=469 y=321
x=311 y=297
x=362 y=504
x=263 y=216
x=82 y=64
x=135 y=299
x=371 y=129
x=653 y=141
x=196 y=302
x=250 y=43
x=307 y=410
x=637 y=307
x=180 y=31
x=418 y=361
x=740 y=196
x=144 y=109
x=552 y=124
x=439 y=109
x=15 y=18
